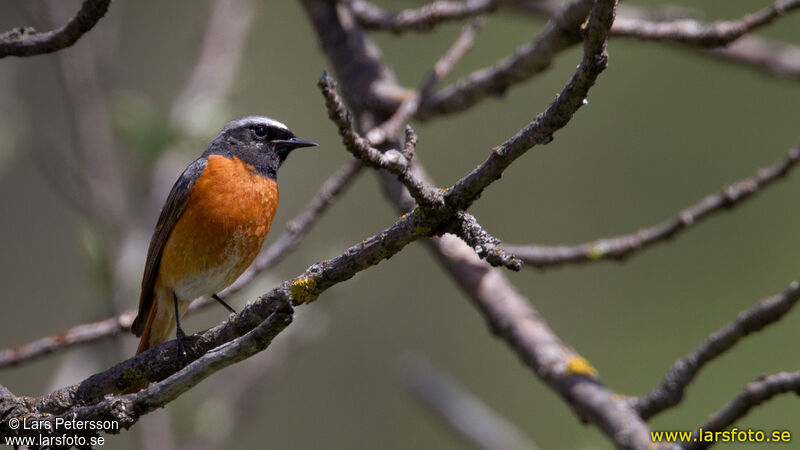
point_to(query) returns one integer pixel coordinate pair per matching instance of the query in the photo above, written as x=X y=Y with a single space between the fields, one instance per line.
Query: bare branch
x=391 y=160
x=670 y=392
x=371 y=16
x=440 y=70
x=470 y=418
x=295 y=231
x=620 y=247
x=689 y=31
x=25 y=41
x=484 y=244
x=560 y=33
x=81 y=334
x=445 y=64
x=756 y=392
x=774 y=58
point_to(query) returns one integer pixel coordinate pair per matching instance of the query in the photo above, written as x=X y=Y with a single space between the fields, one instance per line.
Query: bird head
x=257 y=140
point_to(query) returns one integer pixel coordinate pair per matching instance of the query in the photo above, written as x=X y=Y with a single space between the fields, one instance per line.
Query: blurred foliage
x=141 y=125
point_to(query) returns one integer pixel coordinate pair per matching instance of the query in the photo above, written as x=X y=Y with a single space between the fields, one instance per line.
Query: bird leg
x=180 y=336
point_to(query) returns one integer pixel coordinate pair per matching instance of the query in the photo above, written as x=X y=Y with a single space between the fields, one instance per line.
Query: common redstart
x=213 y=224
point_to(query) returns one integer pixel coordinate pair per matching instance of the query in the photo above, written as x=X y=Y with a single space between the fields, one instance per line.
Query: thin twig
x=620 y=247
x=560 y=33
x=670 y=392
x=756 y=392
x=440 y=70
x=25 y=41
x=391 y=160
x=81 y=334
x=371 y=16
x=778 y=59
x=690 y=31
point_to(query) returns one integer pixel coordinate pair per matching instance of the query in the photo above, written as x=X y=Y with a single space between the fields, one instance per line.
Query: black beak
x=294 y=143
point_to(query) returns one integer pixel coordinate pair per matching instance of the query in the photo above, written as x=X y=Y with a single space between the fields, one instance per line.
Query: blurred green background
x=664 y=127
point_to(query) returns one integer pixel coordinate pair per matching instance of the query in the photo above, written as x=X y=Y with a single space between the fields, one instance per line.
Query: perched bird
x=213 y=224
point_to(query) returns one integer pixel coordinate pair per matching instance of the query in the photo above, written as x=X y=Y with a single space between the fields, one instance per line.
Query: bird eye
x=260 y=131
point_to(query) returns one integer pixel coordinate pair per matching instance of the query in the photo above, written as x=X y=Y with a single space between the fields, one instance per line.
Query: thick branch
x=620 y=247
x=25 y=41
x=371 y=16
x=670 y=392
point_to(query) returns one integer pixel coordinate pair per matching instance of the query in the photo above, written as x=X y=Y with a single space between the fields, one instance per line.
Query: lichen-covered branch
x=620 y=247
x=25 y=41
x=484 y=244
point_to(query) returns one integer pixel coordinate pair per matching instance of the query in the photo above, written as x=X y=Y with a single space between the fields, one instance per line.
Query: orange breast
x=221 y=230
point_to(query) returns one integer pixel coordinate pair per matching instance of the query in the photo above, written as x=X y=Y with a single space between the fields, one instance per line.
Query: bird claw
x=180 y=353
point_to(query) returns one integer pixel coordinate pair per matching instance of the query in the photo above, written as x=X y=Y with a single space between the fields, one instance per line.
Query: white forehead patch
x=253 y=120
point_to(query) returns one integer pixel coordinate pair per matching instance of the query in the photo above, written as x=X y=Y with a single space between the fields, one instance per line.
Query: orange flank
x=217 y=236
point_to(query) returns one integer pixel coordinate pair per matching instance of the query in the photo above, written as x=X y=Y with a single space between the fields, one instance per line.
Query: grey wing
x=173 y=208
